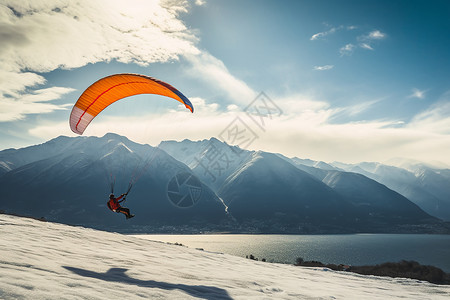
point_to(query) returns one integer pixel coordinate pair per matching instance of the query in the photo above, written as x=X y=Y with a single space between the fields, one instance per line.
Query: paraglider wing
x=115 y=87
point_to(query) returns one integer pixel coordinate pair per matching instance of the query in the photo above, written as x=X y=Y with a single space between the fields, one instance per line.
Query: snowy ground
x=40 y=260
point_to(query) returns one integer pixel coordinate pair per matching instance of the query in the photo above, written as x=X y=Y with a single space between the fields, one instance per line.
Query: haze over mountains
x=427 y=187
x=210 y=186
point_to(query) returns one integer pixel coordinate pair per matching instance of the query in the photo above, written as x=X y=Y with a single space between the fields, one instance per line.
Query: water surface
x=353 y=249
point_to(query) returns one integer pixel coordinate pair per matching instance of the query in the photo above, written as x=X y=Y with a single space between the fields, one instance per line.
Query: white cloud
x=314 y=136
x=200 y=2
x=305 y=129
x=323 y=68
x=233 y=107
x=376 y=35
x=366 y=46
x=41 y=36
x=69 y=34
x=46 y=35
x=208 y=68
x=45 y=95
x=319 y=35
x=356 y=109
x=325 y=33
x=347 y=49
x=364 y=41
x=303 y=105
x=37 y=102
x=173 y=124
x=436 y=118
x=416 y=93
x=13 y=83
x=331 y=31
x=367 y=40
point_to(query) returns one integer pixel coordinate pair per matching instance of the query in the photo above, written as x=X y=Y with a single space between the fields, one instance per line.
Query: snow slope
x=40 y=260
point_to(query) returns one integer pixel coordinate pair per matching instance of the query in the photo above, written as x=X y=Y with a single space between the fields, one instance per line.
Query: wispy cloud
x=332 y=30
x=36 y=102
x=366 y=41
x=212 y=70
x=363 y=41
x=436 y=118
x=356 y=109
x=323 y=68
x=347 y=49
x=12 y=84
x=416 y=93
x=324 y=33
x=200 y=2
x=376 y=35
x=366 y=46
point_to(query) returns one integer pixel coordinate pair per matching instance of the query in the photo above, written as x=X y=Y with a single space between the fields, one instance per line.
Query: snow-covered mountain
x=70 y=178
x=427 y=187
x=43 y=260
x=268 y=189
x=207 y=184
x=312 y=163
x=270 y=186
x=211 y=160
x=376 y=200
x=372 y=198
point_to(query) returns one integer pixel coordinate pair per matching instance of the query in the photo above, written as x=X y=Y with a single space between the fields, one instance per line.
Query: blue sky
x=351 y=80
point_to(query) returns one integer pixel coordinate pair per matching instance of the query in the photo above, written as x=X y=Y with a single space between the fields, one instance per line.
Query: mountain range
x=426 y=186
x=252 y=182
x=207 y=185
x=68 y=180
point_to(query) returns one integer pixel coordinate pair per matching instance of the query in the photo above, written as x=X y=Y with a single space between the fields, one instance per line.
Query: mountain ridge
x=239 y=190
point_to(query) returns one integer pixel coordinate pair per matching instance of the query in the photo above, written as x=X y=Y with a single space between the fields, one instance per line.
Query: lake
x=351 y=249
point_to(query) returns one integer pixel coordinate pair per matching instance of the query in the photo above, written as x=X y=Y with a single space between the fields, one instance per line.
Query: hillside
x=41 y=260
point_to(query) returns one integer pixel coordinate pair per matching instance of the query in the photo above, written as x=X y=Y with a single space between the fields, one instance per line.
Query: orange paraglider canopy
x=115 y=87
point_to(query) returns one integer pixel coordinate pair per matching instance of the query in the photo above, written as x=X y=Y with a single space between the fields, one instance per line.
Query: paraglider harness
x=109 y=206
x=114 y=209
x=130 y=185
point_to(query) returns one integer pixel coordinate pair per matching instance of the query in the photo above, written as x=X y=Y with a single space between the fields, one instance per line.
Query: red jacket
x=113 y=203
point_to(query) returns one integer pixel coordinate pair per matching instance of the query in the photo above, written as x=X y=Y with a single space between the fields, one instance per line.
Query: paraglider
x=114 y=205
x=109 y=90
x=113 y=88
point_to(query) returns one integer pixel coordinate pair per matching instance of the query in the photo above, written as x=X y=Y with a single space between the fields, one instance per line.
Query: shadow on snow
x=118 y=275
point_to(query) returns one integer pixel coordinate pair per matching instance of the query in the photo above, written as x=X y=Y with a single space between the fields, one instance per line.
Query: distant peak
x=115 y=137
x=111 y=135
x=59 y=138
